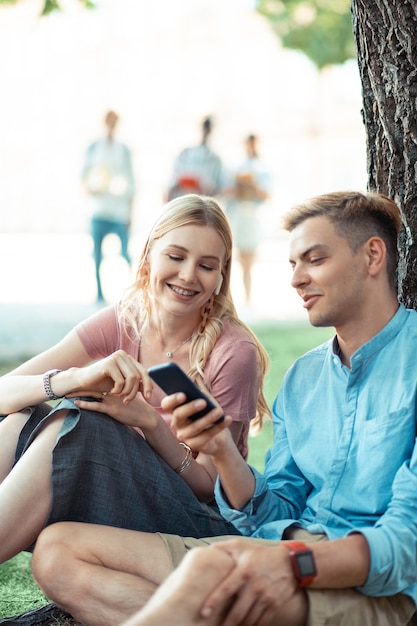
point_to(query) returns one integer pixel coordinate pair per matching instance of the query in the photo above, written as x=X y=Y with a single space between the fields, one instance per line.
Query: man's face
x=329 y=278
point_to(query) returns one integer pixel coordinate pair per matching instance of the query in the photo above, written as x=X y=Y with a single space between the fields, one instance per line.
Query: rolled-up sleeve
x=393 y=539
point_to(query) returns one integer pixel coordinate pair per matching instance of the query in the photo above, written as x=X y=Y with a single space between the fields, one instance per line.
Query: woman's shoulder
x=100 y=333
x=106 y=315
x=234 y=358
x=234 y=335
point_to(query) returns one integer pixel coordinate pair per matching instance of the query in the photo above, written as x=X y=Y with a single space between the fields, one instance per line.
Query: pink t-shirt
x=232 y=372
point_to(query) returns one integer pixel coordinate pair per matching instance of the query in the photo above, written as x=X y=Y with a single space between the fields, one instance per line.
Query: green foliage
x=49 y=7
x=322 y=29
x=53 y=5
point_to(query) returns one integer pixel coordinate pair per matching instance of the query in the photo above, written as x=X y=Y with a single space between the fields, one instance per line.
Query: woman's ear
x=219 y=285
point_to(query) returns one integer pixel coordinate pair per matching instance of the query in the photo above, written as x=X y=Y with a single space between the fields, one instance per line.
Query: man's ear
x=376 y=251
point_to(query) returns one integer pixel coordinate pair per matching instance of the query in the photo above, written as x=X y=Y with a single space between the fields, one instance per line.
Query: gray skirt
x=104 y=472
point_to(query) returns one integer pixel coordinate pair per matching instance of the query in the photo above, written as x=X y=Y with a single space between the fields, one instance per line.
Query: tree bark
x=386 y=40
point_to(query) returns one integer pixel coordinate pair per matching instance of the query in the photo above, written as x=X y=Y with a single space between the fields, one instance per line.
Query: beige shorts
x=334 y=607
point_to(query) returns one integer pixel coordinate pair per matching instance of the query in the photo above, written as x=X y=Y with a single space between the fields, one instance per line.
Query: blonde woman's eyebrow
x=183 y=249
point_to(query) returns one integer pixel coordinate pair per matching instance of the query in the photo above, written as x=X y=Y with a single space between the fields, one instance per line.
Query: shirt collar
x=377 y=342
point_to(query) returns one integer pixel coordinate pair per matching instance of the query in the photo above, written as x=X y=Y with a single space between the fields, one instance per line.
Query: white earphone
x=219 y=286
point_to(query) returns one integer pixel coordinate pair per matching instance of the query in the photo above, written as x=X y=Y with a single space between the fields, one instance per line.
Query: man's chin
x=319 y=321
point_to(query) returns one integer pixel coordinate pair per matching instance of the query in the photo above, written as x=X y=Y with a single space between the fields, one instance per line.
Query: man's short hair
x=356 y=217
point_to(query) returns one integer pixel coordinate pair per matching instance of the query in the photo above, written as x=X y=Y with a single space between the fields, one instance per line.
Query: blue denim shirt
x=344 y=457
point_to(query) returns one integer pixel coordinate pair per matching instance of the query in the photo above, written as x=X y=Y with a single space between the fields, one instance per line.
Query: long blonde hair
x=137 y=305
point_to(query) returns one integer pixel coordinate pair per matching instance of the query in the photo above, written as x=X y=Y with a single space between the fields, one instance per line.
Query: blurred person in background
x=108 y=178
x=251 y=187
x=197 y=169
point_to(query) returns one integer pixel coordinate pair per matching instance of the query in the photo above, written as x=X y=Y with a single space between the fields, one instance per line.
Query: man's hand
x=262 y=584
x=214 y=439
x=203 y=434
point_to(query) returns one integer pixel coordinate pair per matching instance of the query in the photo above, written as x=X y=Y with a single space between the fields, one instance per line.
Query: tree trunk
x=386 y=40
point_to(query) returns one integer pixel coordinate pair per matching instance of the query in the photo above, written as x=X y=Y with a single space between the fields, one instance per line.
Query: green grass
x=284 y=342
x=18 y=592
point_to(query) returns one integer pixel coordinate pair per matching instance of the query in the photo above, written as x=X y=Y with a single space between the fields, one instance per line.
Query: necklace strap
x=169 y=353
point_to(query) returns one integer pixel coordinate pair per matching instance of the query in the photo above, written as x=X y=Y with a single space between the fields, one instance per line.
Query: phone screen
x=171 y=378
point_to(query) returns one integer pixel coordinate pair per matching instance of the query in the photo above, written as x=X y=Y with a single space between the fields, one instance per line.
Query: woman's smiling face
x=185 y=267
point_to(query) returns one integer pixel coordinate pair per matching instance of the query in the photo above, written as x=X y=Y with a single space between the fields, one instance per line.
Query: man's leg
x=98 y=232
x=99 y=574
x=178 y=600
x=123 y=232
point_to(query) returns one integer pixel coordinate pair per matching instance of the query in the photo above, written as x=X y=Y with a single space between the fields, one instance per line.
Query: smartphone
x=171 y=378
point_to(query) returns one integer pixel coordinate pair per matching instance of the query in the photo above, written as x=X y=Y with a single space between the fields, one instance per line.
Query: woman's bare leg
x=10 y=429
x=100 y=574
x=247 y=260
x=25 y=493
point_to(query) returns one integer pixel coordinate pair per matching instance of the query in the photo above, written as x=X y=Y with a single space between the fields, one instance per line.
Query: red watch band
x=302 y=560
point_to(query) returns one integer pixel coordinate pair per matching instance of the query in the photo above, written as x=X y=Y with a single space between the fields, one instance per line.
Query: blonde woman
x=106 y=454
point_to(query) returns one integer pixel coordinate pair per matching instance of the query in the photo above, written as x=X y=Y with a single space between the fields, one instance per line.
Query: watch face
x=305 y=562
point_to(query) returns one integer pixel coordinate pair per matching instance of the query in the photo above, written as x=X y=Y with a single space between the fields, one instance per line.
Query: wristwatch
x=47 y=384
x=302 y=560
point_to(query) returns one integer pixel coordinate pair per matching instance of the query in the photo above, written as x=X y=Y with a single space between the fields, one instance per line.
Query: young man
x=331 y=526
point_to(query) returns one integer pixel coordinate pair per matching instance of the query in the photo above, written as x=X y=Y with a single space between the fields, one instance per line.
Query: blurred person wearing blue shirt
x=108 y=178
